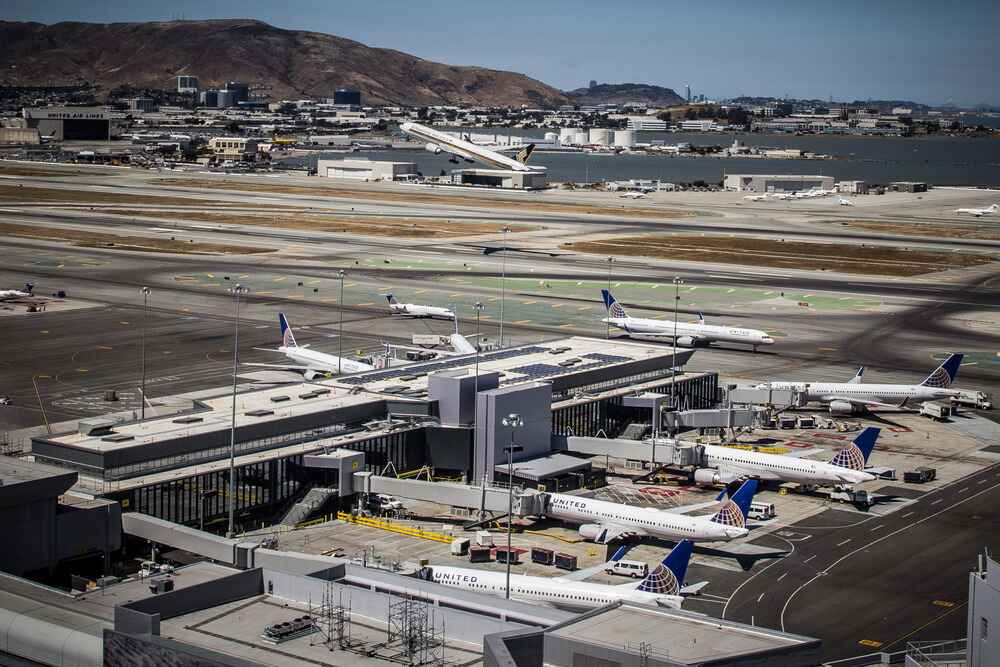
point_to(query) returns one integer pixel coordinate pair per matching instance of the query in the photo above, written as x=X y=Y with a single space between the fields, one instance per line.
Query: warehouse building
x=761 y=183
x=73 y=123
x=404 y=418
x=366 y=170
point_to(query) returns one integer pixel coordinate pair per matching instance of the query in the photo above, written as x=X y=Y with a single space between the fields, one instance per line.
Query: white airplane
x=855 y=395
x=663 y=587
x=460 y=345
x=978 y=212
x=763 y=197
x=605 y=522
x=727 y=464
x=688 y=335
x=14 y=294
x=633 y=195
x=310 y=363
x=438 y=142
x=414 y=310
x=844 y=202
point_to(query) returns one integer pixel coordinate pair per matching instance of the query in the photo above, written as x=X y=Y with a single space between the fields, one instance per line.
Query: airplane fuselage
x=898 y=394
x=321 y=363
x=643 y=520
x=776 y=467
x=636 y=327
x=561 y=593
x=414 y=310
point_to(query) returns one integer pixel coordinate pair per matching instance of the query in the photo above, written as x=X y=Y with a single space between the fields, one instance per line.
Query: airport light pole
x=340 y=326
x=673 y=363
x=142 y=386
x=478 y=307
x=607 y=334
x=511 y=421
x=236 y=291
x=503 y=279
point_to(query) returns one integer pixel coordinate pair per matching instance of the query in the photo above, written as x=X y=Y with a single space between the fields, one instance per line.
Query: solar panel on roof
x=610 y=358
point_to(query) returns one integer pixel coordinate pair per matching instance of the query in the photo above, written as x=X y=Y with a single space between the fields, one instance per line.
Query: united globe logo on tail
x=735 y=510
x=668 y=577
x=615 y=309
x=855 y=455
x=287 y=338
x=945 y=374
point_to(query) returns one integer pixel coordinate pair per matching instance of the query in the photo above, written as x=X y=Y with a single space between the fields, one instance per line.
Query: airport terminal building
x=423 y=414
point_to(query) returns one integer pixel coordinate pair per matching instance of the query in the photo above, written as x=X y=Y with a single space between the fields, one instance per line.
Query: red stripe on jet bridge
x=830 y=436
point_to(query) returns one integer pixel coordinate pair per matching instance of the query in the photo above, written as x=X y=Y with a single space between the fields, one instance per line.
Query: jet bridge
x=527 y=502
x=662 y=451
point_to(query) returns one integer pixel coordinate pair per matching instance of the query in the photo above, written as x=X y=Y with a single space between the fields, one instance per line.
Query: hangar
x=73 y=123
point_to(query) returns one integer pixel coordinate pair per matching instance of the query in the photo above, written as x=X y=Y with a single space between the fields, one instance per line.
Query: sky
x=928 y=52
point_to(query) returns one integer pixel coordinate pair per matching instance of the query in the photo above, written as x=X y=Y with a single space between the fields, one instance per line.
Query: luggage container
x=542 y=556
x=503 y=555
x=480 y=555
x=566 y=561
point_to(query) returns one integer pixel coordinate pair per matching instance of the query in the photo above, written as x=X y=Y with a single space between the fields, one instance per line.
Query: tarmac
x=860 y=581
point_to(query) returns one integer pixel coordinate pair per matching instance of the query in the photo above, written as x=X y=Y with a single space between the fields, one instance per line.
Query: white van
x=761 y=511
x=630 y=568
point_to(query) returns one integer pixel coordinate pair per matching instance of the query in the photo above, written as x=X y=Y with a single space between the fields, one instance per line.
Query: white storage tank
x=624 y=138
x=567 y=135
x=551 y=138
x=580 y=138
x=599 y=136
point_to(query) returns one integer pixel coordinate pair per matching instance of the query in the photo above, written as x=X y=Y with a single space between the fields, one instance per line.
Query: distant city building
x=209 y=98
x=233 y=148
x=187 y=84
x=225 y=98
x=593 y=84
x=699 y=126
x=646 y=124
x=240 y=92
x=141 y=104
x=347 y=96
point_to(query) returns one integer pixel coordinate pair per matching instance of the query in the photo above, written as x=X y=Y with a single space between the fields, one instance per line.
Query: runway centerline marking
x=810 y=558
x=781 y=577
x=937 y=501
x=906 y=515
x=784 y=608
x=840 y=544
x=875 y=528
x=760 y=597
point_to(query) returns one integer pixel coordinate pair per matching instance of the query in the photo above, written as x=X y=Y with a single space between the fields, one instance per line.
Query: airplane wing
x=870 y=404
x=685 y=509
x=798 y=453
x=611 y=532
x=693 y=589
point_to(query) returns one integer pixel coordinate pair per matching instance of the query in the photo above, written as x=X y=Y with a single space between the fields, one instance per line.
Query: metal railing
x=937 y=654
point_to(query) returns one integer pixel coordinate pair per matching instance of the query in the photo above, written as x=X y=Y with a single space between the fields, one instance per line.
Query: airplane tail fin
x=615 y=309
x=855 y=455
x=735 y=510
x=944 y=374
x=857 y=376
x=668 y=577
x=525 y=153
x=391 y=299
x=701 y=317
x=287 y=337
x=29 y=288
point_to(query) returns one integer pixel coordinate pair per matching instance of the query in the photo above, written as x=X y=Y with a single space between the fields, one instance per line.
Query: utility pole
x=511 y=421
x=340 y=326
x=145 y=316
x=236 y=292
x=503 y=280
x=673 y=363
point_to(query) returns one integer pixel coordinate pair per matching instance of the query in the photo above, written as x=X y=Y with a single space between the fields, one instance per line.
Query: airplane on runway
x=763 y=197
x=663 y=587
x=460 y=345
x=604 y=522
x=978 y=212
x=688 y=334
x=14 y=294
x=414 y=310
x=845 y=398
x=310 y=363
x=844 y=202
x=633 y=195
x=441 y=142
x=727 y=464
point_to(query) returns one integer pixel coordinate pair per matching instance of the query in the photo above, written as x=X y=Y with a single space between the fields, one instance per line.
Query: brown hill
x=282 y=63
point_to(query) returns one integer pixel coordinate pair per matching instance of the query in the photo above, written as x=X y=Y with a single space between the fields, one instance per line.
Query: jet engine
x=310 y=375
x=591 y=531
x=433 y=148
x=686 y=341
x=841 y=408
x=707 y=477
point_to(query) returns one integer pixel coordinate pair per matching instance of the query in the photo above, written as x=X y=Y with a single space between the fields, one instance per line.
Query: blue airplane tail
x=391 y=299
x=734 y=512
x=287 y=337
x=614 y=308
x=668 y=577
x=855 y=455
x=944 y=374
